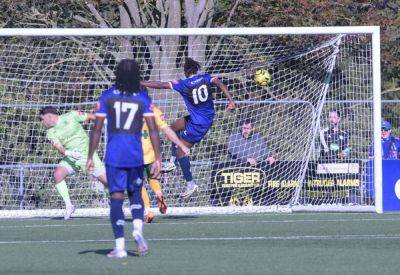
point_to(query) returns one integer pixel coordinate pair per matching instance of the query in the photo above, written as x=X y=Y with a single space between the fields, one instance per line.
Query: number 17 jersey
x=196 y=93
x=124 y=113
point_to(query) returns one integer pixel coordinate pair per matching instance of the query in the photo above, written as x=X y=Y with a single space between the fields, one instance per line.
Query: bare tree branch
x=201 y=5
x=125 y=20
x=85 y=21
x=190 y=13
x=206 y=13
x=135 y=12
x=228 y=20
x=148 y=12
x=96 y=14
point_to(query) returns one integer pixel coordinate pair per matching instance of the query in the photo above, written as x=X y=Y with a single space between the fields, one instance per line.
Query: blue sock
x=173 y=150
x=185 y=166
x=136 y=203
x=117 y=217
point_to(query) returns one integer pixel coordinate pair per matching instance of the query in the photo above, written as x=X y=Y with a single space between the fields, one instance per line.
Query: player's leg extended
x=156 y=187
x=184 y=163
x=192 y=134
x=99 y=172
x=135 y=184
x=177 y=126
x=117 y=180
x=61 y=172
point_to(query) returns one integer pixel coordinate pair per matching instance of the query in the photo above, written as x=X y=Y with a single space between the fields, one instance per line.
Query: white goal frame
x=374 y=31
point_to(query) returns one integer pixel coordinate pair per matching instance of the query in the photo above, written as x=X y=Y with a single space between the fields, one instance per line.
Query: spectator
x=248 y=146
x=334 y=142
x=390 y=144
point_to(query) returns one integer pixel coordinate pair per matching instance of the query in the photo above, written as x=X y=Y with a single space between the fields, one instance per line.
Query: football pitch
x=300 y=243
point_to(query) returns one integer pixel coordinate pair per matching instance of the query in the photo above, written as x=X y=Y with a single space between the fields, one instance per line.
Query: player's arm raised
x=155 y=141
x=156 y=84
x=219 y=84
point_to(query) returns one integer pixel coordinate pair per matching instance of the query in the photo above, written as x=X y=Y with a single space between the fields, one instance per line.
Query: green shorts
x=147 y=168
x=79 y=165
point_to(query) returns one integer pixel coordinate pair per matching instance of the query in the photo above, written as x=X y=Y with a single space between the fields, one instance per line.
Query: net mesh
x=310 y=75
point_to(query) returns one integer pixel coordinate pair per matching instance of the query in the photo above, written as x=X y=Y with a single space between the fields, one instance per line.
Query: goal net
x=310 y=76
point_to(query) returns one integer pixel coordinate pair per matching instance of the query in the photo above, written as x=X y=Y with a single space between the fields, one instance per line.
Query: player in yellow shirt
x=149 y=158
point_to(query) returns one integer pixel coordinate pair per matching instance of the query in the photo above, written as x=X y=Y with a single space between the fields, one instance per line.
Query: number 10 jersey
x=196 y=93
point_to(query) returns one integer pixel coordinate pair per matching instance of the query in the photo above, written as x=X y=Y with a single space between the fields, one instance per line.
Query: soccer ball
x=262 y=77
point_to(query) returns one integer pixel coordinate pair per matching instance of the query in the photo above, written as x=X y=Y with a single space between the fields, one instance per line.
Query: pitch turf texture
x=301 y=243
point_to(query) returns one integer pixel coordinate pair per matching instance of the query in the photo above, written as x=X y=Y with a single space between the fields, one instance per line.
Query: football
x=262 y=77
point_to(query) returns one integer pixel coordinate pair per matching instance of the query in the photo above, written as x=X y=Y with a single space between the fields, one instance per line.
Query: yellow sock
x=155 y=185
x=145 y=197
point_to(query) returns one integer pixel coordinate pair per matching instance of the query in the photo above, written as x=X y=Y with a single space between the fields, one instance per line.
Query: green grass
x=298 y=243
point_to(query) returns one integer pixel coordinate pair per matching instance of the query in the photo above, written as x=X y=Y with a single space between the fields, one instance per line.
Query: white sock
x=120 y=244
x=68 y=202
x=172 y=159
x=138 y=226
x=190 y=184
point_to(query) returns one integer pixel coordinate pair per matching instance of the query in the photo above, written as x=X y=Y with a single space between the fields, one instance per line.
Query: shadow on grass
x=104 y=252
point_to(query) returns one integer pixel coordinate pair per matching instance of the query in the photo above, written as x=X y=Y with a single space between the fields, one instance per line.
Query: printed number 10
x=200 y=94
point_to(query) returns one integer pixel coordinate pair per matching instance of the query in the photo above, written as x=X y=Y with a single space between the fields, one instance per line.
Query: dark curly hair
x=127 y=76
x=191 y=66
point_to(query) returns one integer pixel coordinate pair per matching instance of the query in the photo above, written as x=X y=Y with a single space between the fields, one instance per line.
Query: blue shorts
x=121 y=179
x=194 y=133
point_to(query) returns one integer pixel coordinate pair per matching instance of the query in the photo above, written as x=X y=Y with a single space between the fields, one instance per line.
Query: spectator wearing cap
x=334 y=141
x=248 y=146
x=390 y=144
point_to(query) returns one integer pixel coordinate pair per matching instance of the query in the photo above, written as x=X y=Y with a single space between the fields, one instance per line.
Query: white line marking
x=283 y=238
x=205 y=222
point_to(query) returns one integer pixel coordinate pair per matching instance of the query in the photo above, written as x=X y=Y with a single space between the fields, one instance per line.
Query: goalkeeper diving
x=66 y=134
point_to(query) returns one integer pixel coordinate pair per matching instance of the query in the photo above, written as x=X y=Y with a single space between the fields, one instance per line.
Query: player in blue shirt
x=124 y=105
x=195 y=90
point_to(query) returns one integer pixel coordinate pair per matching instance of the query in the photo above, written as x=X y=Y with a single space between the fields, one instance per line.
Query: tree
x=161 y=14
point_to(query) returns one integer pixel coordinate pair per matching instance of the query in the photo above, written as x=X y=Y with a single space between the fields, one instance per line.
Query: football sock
x=145 y=197
x=63 y=191
x=185 y=166
x=136 y=203
x=117 y=217
x=120 y=244
x=138 y=226
x=155 y=185
x=190 y=184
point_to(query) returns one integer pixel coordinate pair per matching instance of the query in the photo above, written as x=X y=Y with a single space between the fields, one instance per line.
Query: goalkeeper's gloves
x=73 y=154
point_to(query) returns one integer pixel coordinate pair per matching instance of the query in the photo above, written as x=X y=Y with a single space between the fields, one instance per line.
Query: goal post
x=313 y=70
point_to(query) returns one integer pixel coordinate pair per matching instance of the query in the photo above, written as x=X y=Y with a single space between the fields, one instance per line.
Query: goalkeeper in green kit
x=67 y=135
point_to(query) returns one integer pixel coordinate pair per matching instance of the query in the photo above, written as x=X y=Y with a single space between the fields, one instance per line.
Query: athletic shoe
x=69 y=210
x=141 y=243
x=167 y=167
x=189 y=191
x=148 y=217
x=116 y=253
x=162 y=205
